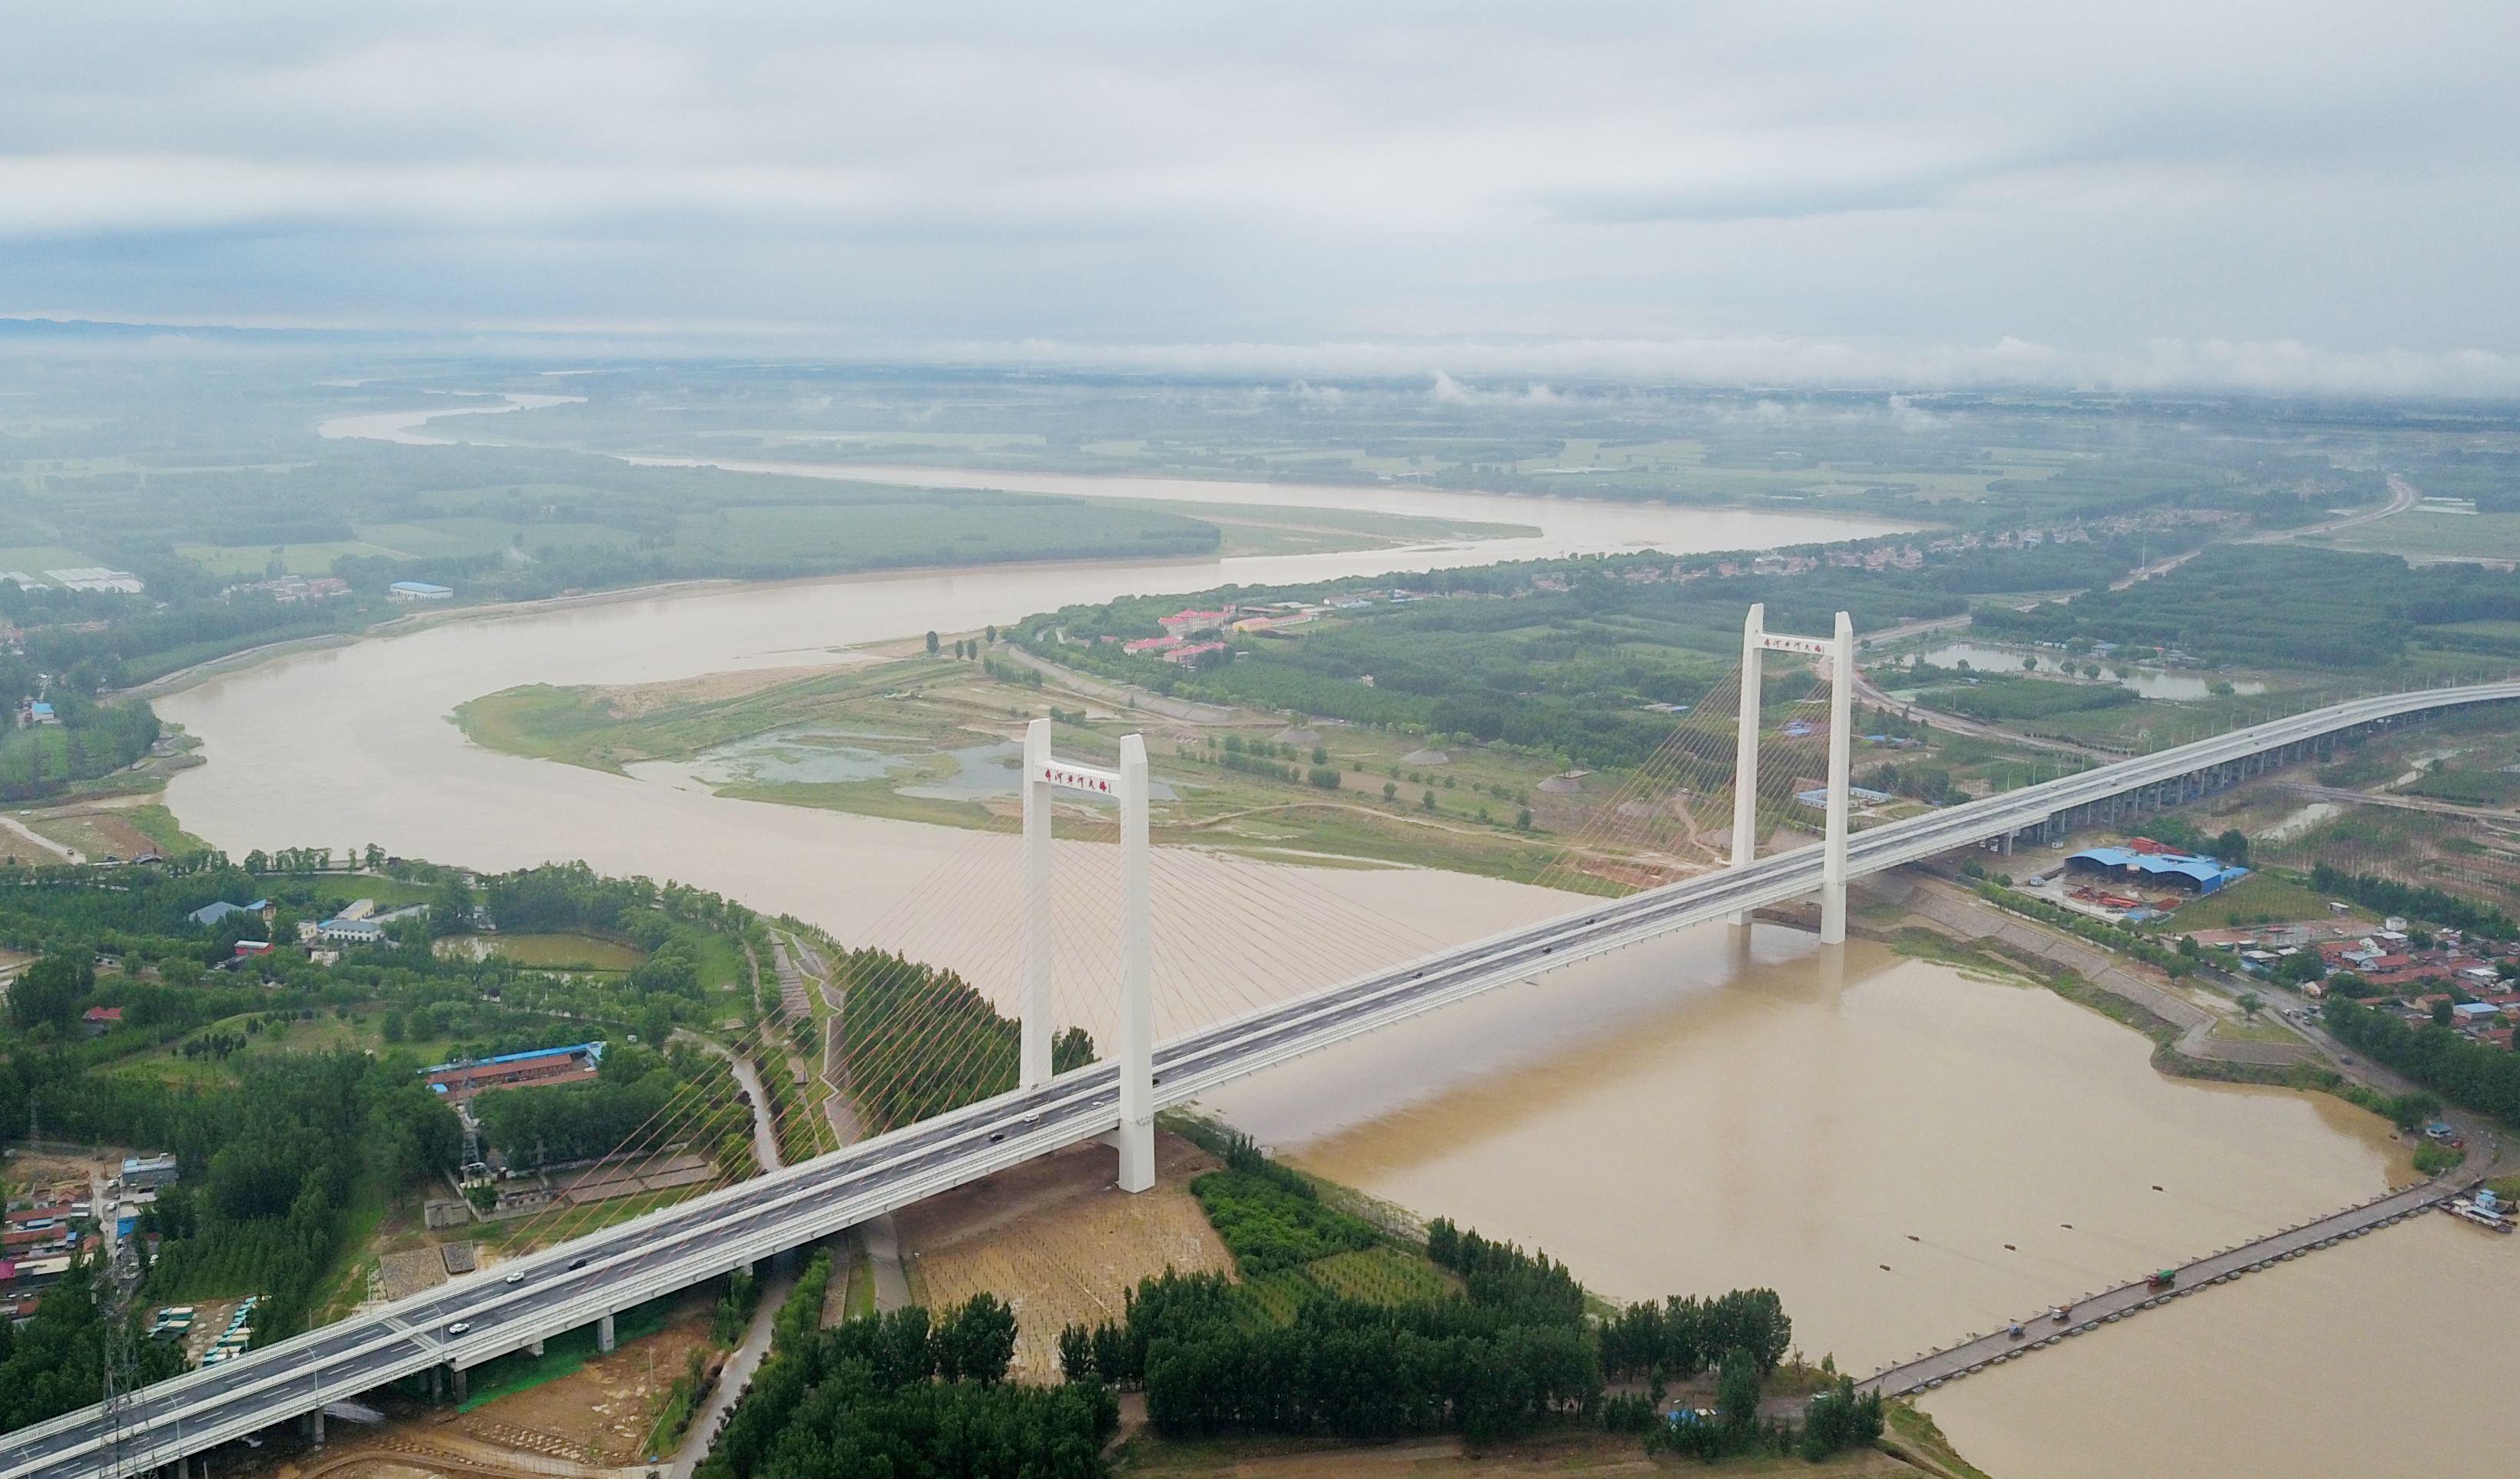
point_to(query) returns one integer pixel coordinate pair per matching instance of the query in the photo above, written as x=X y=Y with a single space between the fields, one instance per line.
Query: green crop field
x=35 y=560
x=2426 y=537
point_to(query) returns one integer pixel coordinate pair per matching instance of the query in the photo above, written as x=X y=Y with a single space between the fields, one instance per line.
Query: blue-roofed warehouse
x=212 y=914
x=2192 y=873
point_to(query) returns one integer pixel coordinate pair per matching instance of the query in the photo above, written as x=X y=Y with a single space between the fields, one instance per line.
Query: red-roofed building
x=517 y=1070
x=1190 y=623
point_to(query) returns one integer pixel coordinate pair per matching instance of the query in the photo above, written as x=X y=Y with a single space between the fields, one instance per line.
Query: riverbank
x=2186 y=1034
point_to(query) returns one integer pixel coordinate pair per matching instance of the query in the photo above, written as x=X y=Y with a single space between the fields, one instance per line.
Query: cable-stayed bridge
x=585 y=1280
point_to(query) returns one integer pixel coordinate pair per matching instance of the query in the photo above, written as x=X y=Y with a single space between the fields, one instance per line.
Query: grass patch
x=158 y=824
x=865 y=798
x=859 y=1299
x=2264 y=897
x=1971 y=961
x=558 y=952
x=1912 y=1435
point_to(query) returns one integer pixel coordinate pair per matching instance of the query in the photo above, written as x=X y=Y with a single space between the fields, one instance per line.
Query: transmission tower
x=474 y=1168
x=128 y=1448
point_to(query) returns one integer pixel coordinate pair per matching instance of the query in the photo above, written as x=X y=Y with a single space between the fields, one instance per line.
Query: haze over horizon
x=2284 y=198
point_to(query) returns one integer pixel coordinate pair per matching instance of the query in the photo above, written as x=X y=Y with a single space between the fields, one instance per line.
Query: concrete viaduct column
x=604 y=1341
x=458 y=1380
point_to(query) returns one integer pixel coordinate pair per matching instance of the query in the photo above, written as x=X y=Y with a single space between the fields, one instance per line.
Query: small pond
x=2151 y=682
x=815 y=756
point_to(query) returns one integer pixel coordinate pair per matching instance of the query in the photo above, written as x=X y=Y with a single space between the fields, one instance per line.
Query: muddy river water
x=1709 y=1111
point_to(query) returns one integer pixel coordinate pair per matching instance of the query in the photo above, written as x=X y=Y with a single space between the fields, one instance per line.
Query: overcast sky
x=2295 y=196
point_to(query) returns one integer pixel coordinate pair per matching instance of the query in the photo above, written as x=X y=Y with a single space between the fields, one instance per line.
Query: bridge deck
x=2039 y=1331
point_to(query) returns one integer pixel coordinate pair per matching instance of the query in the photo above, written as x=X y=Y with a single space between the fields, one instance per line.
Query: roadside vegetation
x=906 y=1393
x=1485 y=1340
x=287 y=1087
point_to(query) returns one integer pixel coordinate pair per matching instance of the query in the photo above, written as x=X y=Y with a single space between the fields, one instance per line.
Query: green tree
x=1391 y=791
x=450 y=906
x=51 y=990
x=934 y=645
x=2408 y=1111
x=975 y=1341
x=2233 y=847
x=1736 y=1388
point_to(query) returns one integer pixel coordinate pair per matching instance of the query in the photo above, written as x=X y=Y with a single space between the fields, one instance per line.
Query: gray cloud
x=2295 y=195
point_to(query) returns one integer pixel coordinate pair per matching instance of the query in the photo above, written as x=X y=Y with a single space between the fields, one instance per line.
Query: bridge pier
x=604 y=1341
x=1036 y=1063
x=1136 y=976
x=459 y=1381
x=436 y=1388
x=315 y=1427
x=533 y=1347
x=1841 y=760
x=1837 y=655
x=1135 y=1135
x=1745 y=749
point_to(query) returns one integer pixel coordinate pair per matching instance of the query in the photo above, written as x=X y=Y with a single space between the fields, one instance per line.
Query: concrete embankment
x=2040 y=1330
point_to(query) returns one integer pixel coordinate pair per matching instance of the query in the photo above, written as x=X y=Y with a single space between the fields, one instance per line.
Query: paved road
x=470 y=1321
x=734 y=1377
x=2402 y=803
x=2403 y=496
x=1871 y=692
x=765 y=1124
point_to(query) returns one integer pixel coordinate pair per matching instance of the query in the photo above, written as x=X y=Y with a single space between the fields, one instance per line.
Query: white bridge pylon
x=1837 y=658
x=1136 y=1136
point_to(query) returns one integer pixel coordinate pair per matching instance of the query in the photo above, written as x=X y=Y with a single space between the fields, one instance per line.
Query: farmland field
x=1055 y=1240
